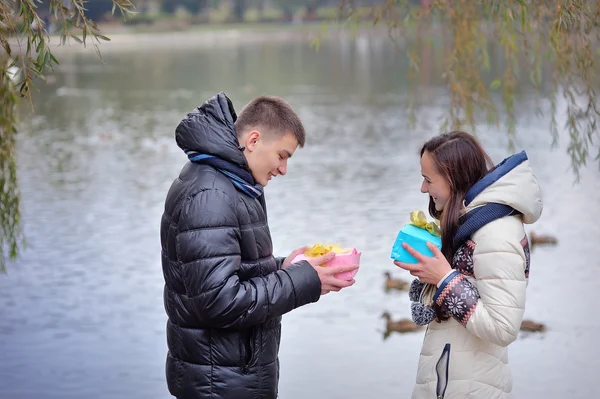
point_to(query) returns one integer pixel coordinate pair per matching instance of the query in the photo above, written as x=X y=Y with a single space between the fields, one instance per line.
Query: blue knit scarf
x=241 y=178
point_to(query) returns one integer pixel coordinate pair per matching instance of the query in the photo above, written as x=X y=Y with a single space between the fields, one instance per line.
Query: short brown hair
x=274 y=115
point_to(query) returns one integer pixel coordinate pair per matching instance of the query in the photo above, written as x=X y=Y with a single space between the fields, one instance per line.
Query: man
x=224 y=291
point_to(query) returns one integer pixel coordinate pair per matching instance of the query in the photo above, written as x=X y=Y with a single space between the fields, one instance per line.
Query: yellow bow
x=319 y=249
x=419 y=219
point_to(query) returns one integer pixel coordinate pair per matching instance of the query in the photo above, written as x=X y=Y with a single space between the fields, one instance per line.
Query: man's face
x=267 y=154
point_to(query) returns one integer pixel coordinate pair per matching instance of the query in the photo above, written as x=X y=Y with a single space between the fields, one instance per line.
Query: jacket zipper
x=250 y=356
x=442 y=368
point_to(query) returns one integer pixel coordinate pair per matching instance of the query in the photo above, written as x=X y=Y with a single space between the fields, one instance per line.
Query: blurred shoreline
x=205 y=36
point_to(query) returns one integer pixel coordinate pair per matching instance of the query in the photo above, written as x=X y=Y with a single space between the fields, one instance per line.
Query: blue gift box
x=417 y=238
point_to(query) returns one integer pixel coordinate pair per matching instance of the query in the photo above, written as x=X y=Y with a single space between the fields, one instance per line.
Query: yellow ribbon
x=419 y=219
x=320 y=249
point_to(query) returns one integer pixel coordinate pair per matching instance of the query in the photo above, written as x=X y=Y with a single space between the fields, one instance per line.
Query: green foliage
x=24 y=57
x=490 y=48
x=10 y=230
x=553 y=43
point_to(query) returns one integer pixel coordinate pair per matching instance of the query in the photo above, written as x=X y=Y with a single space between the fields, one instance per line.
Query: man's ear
x=252 y=139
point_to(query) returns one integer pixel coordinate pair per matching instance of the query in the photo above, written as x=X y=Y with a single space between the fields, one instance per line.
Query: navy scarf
x=241 y=178
x=477 y=218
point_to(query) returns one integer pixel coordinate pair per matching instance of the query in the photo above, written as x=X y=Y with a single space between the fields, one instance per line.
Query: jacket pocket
x=442 y=370
x=247 y=350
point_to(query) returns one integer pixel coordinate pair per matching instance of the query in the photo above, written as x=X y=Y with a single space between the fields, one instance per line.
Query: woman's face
x=434 y=183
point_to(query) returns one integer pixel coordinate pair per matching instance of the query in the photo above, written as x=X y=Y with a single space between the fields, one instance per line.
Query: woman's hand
x=428 y=269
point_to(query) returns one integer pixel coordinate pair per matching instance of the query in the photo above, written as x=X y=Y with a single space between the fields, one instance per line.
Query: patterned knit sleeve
x=457 y=297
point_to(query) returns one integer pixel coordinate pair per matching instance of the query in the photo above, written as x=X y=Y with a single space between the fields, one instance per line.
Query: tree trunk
x=311 y=10
x=288 y=15
x=260 y=5
x=239 y=9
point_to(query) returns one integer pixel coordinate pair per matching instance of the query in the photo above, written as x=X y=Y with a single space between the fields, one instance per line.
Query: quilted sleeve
x=209 y=252
x=491 y=307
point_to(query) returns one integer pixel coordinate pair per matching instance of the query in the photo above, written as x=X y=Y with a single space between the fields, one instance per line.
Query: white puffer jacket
x=466 y=356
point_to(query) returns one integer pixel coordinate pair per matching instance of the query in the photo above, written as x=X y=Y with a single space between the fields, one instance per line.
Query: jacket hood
x=209 y=129
x=511 y=183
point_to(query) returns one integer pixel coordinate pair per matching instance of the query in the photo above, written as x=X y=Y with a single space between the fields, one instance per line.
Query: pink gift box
x=352 y=257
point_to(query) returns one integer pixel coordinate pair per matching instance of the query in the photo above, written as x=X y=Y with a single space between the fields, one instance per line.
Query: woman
x=472 y=292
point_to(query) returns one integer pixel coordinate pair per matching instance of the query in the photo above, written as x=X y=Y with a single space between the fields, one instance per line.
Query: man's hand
x=290 y=258
x=327 y=274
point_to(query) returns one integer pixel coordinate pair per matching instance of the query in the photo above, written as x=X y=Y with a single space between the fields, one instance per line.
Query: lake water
x=81 y=311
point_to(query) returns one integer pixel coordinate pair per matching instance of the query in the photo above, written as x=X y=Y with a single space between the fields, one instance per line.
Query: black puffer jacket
x=224 y=293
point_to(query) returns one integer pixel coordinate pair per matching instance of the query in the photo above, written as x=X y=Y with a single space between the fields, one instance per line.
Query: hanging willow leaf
x=25 y=45
x=557 y=39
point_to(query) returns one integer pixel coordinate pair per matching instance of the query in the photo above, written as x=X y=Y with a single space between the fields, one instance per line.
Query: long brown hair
x=462 y=161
